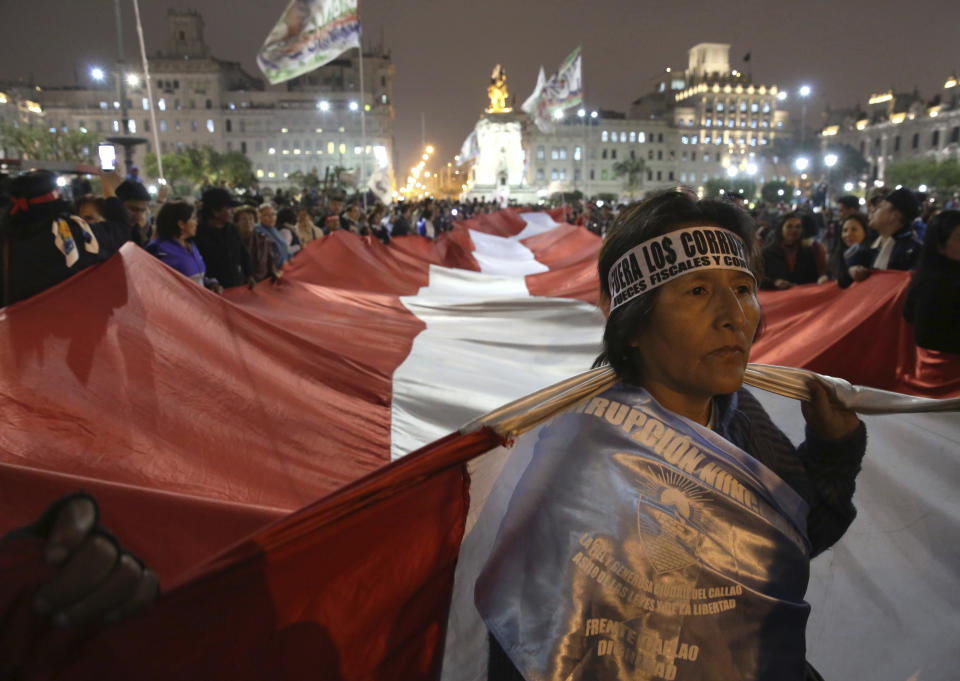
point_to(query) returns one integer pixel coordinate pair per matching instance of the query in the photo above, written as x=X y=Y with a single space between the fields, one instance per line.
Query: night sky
x=444 y=50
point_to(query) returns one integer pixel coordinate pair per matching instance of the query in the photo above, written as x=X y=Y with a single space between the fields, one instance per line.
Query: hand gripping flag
x=309 y=34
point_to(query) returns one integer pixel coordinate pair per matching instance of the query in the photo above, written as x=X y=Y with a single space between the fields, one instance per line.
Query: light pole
x=804 y=92
x=582 y=115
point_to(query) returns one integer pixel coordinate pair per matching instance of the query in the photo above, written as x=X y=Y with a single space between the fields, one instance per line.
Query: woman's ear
x=603 y=302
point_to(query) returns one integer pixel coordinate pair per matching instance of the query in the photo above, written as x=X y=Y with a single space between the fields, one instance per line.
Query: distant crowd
x=229 y=238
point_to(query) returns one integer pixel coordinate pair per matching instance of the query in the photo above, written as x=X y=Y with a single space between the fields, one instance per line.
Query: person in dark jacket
x=42 y=244
x=402 y=225
x=136 y=200
x=854 y=235
x=684 y=340
x=787 y=260
x=898 y=247
x=933 y=299
x=219 y=242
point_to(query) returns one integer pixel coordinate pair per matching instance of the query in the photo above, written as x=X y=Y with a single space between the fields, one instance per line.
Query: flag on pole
x=562 y=91
x=470 y=149
x=379 y=184
x=309 y=34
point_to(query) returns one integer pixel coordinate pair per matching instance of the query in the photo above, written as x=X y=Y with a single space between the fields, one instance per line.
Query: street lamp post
x=804 y=92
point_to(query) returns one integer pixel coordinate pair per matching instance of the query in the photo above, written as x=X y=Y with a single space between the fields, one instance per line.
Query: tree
x=715 y=187
x=776 y=191
x=193 y=166
x=943 y=176
x=631 y=169
x=49 y=144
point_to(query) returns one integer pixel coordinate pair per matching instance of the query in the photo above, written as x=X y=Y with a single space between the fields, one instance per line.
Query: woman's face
x=188 y=228
x=245 y=222
x=951 y=249
x=852 y=233
x=792 y=231
x=698 y=339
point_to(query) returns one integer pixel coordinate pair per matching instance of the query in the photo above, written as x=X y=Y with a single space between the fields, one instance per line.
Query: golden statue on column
x=498 y=91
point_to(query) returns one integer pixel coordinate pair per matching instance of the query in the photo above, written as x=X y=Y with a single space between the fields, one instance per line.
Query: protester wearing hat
x=136 y=200
x=226 y=257
x=42 y=244
x=608 y=522
x=897 y=247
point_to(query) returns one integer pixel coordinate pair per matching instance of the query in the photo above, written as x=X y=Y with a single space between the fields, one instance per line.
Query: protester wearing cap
x=679 y=277
x=42 y=244
x=897 y=247
x=226 y=258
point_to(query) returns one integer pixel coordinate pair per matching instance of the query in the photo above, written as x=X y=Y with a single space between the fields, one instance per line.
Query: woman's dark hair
x=836 y=265
x=286 y=216
x=806 y=223
x=169 y=217
x=663 y=213
x=938 y=231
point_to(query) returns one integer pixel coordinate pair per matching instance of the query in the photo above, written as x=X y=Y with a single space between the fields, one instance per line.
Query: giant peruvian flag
x=288 y=459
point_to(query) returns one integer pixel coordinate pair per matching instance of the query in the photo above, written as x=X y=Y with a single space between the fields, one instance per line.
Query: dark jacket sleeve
x=821 y=471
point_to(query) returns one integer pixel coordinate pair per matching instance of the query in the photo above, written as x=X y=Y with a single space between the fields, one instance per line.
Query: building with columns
x=310 y=122
x=707 y=121
x=897 y=127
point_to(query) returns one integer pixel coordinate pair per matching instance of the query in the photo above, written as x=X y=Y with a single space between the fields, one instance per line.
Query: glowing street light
x=782 y=95
x=429 y=148
x=922 y=189
x=97 y=73
x=581 y=113
x=830 y=160
x=425 y=157
x=805 y=90
x=323 y=105
x=751 y=169
x=558 y=114
x=593 y=114
x=802 y=163
x=133 y=80
x=848 y=187
x=732 y=171
x=354 y=106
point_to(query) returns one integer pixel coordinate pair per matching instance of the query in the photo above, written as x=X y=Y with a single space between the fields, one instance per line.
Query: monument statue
x=498 y=91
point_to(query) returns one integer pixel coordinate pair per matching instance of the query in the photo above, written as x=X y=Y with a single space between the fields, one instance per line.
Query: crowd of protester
x=225 y=239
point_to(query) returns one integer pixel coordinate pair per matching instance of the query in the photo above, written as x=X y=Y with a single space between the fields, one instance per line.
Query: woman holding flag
x=663 y=529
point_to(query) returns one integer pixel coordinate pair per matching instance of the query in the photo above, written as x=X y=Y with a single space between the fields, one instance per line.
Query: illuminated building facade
x=897 y=127
x=313 y=122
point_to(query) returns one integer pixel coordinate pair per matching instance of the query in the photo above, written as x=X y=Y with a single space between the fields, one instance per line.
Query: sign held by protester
x=309 y=34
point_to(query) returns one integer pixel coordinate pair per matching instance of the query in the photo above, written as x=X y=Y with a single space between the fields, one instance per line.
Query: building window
x=554 y=154
x=592 y=177
x=633 y=136
x=540 y=175
x=331 y=147
x=766 y=107
x=228 y=125
x=670 y=175
x=210 y=125
x=707 y=123
x=604 y=136
x=660 y=137
x=706 y=157
x=613 y=154
x=649 y=175
x=163 y=125
x=954 y=135
x=641 y=137
x=577 y=153
x=146 y=125
x=576 y=175
x=659 y=175
x=162 y=104
x=243 y=147
x=116 y=126
x=623 y=137
x=343 y=148
x=209 y=104
x=916 y=142
x=603 y=174
x=563 y=153
x=935 y=139
x=684 y=139
x=603 y=154
x=896 y=143
x=659 y=154
x=754 y=107
x=650 y=155
x=539 y=153
x=633 y=155
x=693 y=156
x=563 y=173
